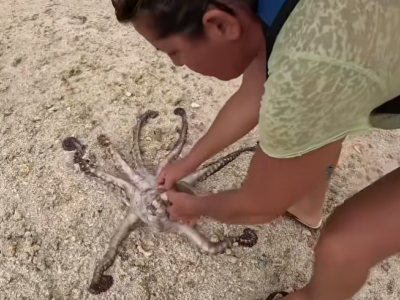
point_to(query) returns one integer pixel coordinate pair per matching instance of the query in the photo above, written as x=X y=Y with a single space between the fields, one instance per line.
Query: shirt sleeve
x=310 y=102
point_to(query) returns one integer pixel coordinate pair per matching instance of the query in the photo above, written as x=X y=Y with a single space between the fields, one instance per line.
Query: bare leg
x=136 y=140
x=176 y=150
x=360 y=233
x=136 y=179
x=214 y=167
x=101 y=283
x=308 y=210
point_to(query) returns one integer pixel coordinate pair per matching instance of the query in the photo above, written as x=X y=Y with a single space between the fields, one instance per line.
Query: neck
x=257 y=37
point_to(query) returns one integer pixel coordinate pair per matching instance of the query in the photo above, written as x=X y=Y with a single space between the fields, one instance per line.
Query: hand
x=185 y=208
x=175 y=171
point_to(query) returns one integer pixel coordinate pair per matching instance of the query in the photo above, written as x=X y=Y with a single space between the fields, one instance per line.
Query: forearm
x=232 y=207
x=237 y=118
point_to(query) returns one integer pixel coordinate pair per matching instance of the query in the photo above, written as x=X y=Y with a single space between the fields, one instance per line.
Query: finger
x=171 y=197
x=161 y=178
x=169 y=182
x=171 y=213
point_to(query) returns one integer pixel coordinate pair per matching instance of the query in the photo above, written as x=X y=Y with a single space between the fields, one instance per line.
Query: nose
x=176 y=62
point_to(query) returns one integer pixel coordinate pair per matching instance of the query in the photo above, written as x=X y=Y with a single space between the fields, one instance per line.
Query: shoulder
x=309 y=102
x=327 y=73
x=341 y=30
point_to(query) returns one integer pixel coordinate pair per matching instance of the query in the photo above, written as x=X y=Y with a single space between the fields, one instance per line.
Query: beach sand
x=69 y=68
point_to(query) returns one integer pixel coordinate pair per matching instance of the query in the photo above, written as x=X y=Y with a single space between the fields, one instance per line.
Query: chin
x=227 y=77
x=223 y=76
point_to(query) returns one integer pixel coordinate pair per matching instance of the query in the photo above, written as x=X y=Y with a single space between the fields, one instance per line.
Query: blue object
x=269 y=9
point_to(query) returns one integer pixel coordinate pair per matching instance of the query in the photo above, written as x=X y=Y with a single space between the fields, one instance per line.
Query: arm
x=238 y=116
x=297 y=118
x=272 y=186
x=300 y=116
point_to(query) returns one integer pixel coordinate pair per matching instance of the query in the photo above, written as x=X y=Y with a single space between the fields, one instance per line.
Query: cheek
x=209 y=62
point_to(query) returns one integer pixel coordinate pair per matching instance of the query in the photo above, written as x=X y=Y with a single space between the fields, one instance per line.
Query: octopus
x=146 y=201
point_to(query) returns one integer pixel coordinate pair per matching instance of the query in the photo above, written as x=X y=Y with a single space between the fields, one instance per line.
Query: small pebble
x=25 y=170
x=128 y=94
x=214 y=239
x=9 y=250
x=357 y=149
x=232 y=259
x=8 y=113
x=306 y=232
x=195 y=105
x=385 y=267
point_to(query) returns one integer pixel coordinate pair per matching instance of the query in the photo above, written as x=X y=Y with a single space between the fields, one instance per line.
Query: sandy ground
x=68 y=68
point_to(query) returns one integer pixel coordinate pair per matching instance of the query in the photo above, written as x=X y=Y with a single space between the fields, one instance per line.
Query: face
x=223 y=51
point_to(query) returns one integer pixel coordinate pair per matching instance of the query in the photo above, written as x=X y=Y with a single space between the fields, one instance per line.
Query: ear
x=219 y=24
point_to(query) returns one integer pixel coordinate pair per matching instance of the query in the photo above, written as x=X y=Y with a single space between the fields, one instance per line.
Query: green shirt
x=333 y=62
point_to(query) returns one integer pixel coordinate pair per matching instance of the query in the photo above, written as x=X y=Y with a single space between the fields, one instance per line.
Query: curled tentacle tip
x=103 y=140
x=179 y=111
x=70 y=143
x=248 y=238
x=152 y=114
x=104 y=284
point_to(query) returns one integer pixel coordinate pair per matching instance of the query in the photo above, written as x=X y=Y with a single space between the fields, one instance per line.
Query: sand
x=68 y=68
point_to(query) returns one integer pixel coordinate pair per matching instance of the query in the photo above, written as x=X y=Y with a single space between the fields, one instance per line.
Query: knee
x=336 y=249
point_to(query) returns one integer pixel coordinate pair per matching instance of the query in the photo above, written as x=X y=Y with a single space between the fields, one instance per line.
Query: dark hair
x=173 y=16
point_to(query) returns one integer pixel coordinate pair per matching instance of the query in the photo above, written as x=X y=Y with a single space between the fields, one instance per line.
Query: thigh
x=368 y=223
